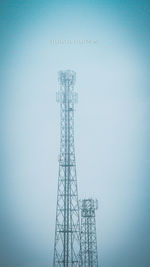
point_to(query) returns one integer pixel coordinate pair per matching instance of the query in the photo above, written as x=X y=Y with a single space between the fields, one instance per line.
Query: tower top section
x=67 y=77
x=66 y=93
x=88 y=207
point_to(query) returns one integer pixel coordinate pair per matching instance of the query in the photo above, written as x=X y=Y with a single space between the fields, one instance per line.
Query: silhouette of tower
x=88 y=233
x=67 y=228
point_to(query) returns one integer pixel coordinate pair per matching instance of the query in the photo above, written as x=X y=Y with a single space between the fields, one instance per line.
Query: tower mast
x=67 y=228
x=88 y=233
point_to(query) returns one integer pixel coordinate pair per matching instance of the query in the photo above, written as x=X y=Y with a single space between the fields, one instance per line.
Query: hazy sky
x=111 y=125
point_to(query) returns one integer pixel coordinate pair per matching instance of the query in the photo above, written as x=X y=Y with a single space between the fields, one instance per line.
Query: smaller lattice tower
x=89 y=256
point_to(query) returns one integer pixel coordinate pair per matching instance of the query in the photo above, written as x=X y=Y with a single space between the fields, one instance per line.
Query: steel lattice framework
x=88 y=233
x=67 y=229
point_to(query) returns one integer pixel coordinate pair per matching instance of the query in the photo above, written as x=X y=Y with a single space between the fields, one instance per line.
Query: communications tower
x=67 y=228
x=88 y=233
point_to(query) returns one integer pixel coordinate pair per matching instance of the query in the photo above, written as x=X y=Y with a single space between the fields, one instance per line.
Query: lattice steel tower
x=67 y=229
x=88 y=233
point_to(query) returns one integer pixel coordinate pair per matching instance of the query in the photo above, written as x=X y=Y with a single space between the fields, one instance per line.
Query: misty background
x=111 y=125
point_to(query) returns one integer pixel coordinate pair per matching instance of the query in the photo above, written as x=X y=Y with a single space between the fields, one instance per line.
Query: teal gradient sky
x=111 y=125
